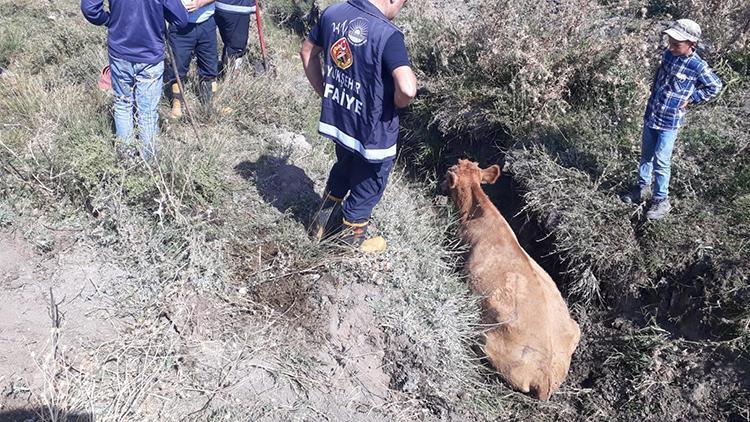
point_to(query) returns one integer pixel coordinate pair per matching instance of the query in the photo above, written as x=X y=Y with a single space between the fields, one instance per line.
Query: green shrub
x=298 y=15
x=11 y=42
x=558 y=92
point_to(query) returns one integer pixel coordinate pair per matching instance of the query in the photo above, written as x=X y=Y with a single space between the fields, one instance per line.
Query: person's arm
x=93 y=11
x=709 y=86
x=310 y=54
x=175 y=13
x=406 y=86
x=664 y=56
x=396 y=60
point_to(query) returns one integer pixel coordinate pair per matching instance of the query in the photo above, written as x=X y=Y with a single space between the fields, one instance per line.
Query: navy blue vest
x=353 y=36
x=240 y=7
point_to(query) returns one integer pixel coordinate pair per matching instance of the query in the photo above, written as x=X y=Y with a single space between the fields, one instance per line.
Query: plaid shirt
x=680 y=79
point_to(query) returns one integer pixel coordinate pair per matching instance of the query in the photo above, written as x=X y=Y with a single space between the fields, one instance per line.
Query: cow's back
x=530 y=336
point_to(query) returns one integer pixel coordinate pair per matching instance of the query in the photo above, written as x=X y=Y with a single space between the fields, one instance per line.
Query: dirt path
x=74 y=275
x=334 y=368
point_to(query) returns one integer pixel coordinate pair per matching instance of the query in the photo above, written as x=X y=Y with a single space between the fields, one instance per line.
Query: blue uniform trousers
x=233 y=28
x=364 y=182
x=197 y=39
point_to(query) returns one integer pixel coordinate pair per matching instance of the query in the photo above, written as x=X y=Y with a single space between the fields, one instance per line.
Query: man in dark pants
x=233 y=20
x=197 y=39
x=366 y=75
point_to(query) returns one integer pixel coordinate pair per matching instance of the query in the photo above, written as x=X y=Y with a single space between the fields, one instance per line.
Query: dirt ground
x=341 y=325
x=306 y=347
x=222 y=358
x=29 y=283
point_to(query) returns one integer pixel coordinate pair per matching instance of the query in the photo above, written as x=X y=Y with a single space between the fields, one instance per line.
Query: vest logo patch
x=342 y=54
x=357 y=32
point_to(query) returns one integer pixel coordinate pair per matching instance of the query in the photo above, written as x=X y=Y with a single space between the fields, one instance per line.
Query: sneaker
x=230 y=67
x=635 y=195
x=234 y=67
x=355 y=235
x=659 y=209
x=329 y=219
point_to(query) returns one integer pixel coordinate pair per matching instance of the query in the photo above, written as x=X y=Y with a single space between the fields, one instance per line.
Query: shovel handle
x=259 y=23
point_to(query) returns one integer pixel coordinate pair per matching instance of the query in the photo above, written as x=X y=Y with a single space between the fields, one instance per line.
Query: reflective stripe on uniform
x=350 y=224
x=235 y=9
x=354 y=144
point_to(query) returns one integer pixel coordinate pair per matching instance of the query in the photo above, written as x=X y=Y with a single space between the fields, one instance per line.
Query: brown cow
x=531 y=336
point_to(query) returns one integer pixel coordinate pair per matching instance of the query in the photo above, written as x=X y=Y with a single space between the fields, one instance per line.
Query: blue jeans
x=656 y=156
x=137 y=84
x=364 y=182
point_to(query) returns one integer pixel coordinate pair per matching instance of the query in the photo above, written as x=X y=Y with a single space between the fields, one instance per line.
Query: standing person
x=233 y=20
x=197 y=38
x=135 y=40
x=683 y=79
x=366 y=75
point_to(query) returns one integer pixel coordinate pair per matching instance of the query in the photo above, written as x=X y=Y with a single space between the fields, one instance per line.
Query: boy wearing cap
x=682 y=79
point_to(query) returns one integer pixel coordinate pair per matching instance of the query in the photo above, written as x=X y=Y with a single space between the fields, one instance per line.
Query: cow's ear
x=490 y=174
x=451 y=180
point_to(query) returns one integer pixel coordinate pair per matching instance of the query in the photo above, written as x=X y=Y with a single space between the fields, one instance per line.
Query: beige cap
x=684 y=30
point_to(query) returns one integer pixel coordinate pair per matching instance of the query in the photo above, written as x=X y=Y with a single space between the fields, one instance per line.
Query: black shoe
x=127 y=154
x=636 y=195
x=207 y=91
x=329 y=219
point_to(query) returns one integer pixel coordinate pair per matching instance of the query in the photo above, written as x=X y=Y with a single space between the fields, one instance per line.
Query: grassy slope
x=560 y=101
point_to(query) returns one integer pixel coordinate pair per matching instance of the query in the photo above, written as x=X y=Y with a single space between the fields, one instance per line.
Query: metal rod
x=170 y=55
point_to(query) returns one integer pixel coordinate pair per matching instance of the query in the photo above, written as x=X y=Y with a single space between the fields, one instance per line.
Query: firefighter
x=365 y=75
x=233 y=21
x=197 y=39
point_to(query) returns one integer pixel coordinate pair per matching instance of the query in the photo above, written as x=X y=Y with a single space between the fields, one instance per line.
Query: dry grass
x=229 y=311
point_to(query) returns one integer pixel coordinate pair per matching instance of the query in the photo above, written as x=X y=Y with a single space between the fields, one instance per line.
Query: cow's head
x=463 y=178
x=460 y=178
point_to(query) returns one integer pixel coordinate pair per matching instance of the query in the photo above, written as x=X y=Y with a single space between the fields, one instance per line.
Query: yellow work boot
x=176 y=112
x=355 y=235
x=328 y=220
